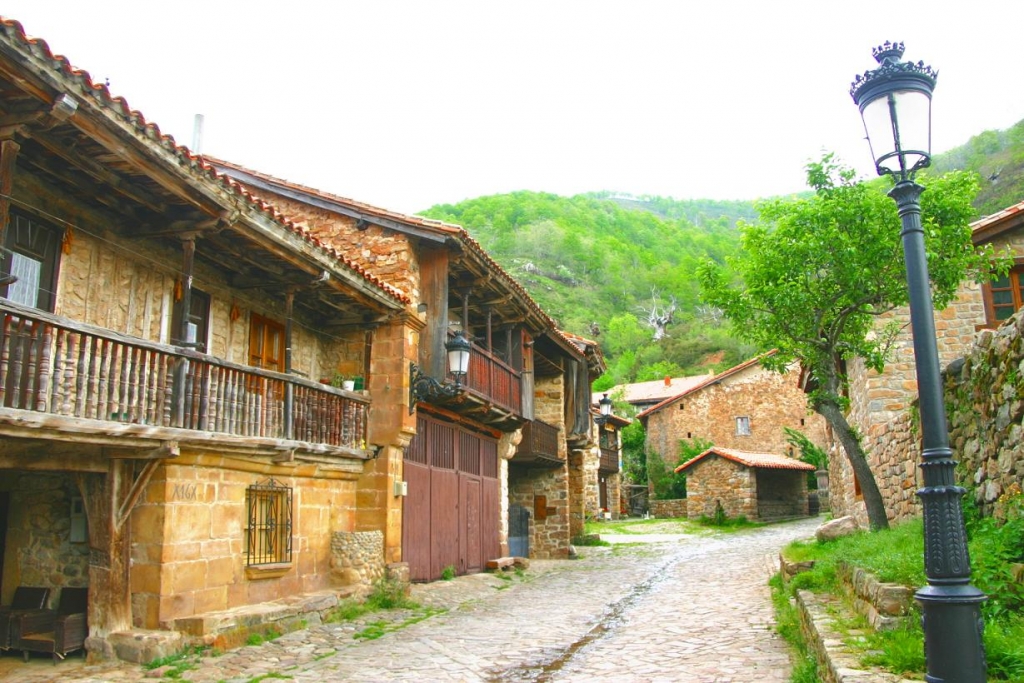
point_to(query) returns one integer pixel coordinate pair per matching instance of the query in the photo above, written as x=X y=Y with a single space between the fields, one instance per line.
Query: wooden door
x=451 y=515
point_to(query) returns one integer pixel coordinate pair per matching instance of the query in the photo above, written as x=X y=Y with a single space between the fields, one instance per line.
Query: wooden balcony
x=609 y=463
x=82 y=375
x=539 y=446
x=494 y=381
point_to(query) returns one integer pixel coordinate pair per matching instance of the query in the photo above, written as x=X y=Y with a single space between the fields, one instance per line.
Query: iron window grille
x=268 y=538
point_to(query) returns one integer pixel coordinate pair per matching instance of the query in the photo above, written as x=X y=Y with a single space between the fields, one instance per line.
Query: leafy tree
x=634 y=460
x=816 y=273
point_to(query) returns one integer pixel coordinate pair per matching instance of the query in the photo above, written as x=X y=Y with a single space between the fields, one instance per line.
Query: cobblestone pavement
x=682 y=608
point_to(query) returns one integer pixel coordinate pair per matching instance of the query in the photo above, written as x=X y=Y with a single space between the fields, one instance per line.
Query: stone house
x=488 y=464
x=744 y=408
x=758 y=486
x=880 y=402
x=171 y=438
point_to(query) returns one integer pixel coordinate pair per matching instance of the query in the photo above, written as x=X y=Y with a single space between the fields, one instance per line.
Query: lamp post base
x=951 y=617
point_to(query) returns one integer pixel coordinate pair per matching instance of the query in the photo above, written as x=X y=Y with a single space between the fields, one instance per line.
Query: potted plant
x=343 y=382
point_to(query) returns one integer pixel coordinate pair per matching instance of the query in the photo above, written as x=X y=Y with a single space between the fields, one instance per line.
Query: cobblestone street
x=672 y=608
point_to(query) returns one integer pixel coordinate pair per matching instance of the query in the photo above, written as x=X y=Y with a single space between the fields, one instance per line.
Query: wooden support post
x=8 y=157
x=289 y=388
x=109 y=585
x=188 y=247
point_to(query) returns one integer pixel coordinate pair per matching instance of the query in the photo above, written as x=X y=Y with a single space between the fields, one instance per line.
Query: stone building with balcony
x=171 y=438
x=496 y=444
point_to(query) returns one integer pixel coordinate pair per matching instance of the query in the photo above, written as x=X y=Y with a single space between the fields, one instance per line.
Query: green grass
x=448 y=573
x=590 y=540
x=181 y=662
x=896 y=556
x=272 y=674
x=678 y=525
x=787 y=624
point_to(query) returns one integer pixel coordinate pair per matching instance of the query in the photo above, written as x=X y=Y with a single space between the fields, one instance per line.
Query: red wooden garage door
x=451 y=513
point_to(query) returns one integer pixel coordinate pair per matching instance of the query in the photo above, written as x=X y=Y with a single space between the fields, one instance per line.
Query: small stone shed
x=758 y=486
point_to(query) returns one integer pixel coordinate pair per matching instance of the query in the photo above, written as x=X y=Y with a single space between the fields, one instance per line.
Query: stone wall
x=39 y=546
x=667 y=509
x=880 y=410
x=188 y=532
x=357 y=557
x=385 y=253
x=546 y=493
x=770 y=400
x=716 y=481
x=984 y=395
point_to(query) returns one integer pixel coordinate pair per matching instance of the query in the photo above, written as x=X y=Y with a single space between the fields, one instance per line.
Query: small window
x=28 y=270
x=266 y=343
x=268 y=536
x=743 y=426
x=197 y=332
x=1005 y=296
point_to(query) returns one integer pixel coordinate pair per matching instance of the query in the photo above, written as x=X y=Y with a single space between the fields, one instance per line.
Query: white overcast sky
x=408 y=104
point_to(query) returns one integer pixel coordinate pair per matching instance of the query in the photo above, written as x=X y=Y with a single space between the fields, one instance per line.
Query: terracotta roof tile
x=771 y=461
x=454 y=231
x=989 y=227
x=193 y=162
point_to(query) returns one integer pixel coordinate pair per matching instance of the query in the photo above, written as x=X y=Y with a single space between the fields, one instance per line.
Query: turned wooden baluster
x=43 y=376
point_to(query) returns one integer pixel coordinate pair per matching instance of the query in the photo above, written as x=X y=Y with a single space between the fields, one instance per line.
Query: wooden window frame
x=745 y=421
x=260 y=328
x=1015 y=281
x=39 y=241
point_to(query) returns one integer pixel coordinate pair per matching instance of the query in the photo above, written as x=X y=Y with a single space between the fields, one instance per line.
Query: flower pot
x=348 y=385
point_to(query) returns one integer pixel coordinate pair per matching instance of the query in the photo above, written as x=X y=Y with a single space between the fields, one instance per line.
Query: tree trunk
x=855 y=454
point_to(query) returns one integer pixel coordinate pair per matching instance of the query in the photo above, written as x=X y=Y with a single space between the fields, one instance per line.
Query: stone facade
x=716 y=481
x=357 y=558
x=42 y=511
x=546 y=493
x=768 y=400
x=667 y=509
x=385 y=253
x=189 y=555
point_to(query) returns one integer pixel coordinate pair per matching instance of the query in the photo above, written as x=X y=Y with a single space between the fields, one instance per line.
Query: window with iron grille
x=268 y=537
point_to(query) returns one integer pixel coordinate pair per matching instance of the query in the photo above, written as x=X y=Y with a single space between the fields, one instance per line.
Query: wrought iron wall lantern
x=425 y=388
x=895 y=103
x=605 y=404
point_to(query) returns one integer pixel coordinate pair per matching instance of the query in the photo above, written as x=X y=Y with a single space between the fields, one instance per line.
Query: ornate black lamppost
x=895 y=103
x=426 y=388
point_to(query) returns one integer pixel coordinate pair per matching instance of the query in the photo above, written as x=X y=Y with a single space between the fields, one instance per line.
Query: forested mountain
x=617 y=267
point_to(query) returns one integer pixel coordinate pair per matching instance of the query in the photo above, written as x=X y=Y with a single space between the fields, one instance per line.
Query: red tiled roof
x=771 y=461
x=989 y=227
x=449 y=229
x=192 y=162
x=713 y=380
x=655 y=390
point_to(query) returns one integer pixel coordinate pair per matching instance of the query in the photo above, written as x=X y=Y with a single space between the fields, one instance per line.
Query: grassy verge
x=997 y=552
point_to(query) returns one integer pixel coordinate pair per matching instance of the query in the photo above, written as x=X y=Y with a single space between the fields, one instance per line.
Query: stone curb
x=837 y=664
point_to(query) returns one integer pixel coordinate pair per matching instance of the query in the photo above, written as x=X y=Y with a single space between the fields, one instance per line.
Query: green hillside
x=598 y=263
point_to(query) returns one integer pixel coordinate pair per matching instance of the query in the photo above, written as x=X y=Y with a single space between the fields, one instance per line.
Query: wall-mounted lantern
x=425 y=388
x=605 y=404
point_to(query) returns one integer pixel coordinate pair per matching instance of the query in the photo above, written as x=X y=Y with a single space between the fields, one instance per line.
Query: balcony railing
x=540 y=441
x=609 y=460
x=492 y=379
x=54 y=365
